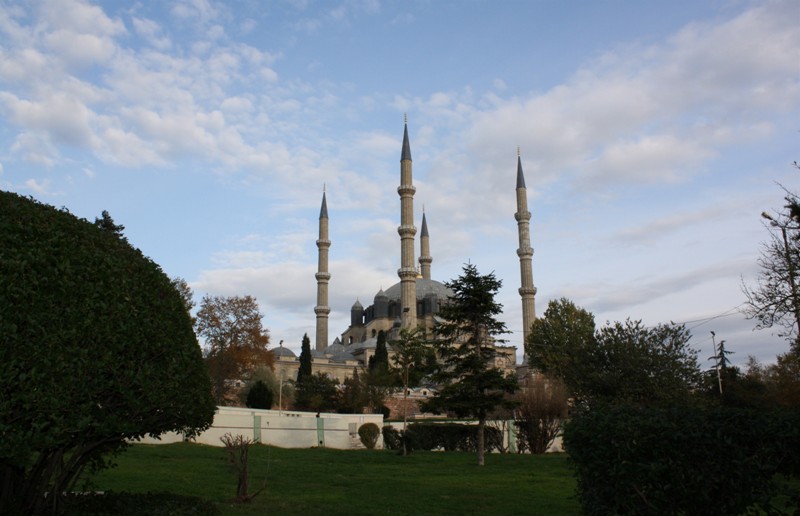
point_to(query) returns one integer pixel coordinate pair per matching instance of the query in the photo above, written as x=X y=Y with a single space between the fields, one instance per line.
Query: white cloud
x=152 y=33
x=39 y=187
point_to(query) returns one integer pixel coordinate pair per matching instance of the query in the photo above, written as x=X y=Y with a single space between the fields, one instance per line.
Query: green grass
x=316 y=481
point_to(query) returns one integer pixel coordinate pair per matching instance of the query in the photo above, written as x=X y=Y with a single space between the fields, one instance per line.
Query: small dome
x=280 y=351
x=357 y=305
x=381 y=294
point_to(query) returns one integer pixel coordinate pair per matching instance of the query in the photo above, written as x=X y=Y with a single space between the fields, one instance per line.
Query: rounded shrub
x=369 y=433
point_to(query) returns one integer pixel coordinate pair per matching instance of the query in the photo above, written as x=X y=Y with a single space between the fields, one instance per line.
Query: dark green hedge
x=681 y=460
x=450 y=437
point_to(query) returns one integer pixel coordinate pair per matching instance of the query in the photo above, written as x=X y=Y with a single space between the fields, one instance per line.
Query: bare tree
x=543 y=406
x=774 y=301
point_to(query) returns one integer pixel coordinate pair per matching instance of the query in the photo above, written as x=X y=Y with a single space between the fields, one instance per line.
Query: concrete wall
x=287 y=429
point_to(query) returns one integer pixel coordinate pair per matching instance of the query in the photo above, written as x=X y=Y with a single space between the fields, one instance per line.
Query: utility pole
x=718 y=356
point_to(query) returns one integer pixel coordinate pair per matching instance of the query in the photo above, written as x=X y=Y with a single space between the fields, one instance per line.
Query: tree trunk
x=481 y=426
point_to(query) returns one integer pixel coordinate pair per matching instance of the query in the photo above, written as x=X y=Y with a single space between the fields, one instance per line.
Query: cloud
x=39 y=187
x=152 y=33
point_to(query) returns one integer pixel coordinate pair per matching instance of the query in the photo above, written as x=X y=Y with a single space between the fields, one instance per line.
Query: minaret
x=425 y=258
x=525 y=252
x=407 y=230
x=322 y=309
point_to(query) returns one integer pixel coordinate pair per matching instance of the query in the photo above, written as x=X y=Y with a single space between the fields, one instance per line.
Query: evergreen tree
x=471 y=386
x=260 y=396
x=304 y=372
x=381 y=358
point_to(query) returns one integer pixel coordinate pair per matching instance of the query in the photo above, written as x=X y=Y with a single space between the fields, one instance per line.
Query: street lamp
x=789 y=265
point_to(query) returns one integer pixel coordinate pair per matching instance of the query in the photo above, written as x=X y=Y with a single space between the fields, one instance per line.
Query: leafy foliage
x=317 y=393
x=304 y=371
x=619 y=362
x=471 y=385
x=411 y=354
x=97 y=349
x=185 y=291
x=681 y=459
x=260 y=396
x=450 y=437
x=235 y=341
x=391 y=438
x=380 y=361
x=369 y=433
x=561 y=342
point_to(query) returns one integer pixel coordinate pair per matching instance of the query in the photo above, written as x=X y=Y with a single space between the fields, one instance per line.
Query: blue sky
x=652 y=136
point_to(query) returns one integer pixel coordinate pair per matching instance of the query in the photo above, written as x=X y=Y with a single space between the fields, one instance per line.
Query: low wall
x=287 y=429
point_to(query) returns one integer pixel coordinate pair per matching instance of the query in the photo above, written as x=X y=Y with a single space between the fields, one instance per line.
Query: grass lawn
x=316 y=481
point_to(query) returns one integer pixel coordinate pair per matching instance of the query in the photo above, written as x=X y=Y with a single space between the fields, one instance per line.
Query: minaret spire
x=525 y=252
x=407 y=230
x=425 y=258
x=323 y=276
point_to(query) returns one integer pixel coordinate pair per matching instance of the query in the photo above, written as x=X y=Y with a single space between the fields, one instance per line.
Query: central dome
x=424 y=287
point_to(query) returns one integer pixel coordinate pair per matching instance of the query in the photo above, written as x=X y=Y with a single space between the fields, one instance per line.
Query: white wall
x=287 y=429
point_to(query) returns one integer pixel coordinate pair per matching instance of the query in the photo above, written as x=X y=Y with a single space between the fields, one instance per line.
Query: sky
x=652 y=135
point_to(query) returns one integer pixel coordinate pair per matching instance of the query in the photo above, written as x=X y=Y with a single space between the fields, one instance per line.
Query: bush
x=392 y=438
x=259 y=396
x=369 y=432
x=97 y=348
x=680 y=460
x=450 y=437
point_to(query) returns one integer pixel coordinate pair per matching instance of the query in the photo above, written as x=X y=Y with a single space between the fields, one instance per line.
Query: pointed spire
x=520 y=175
x=406 y=154
x=424 y=232
x=323 y=211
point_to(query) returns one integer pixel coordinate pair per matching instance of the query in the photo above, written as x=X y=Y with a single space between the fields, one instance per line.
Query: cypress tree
x=304 y=372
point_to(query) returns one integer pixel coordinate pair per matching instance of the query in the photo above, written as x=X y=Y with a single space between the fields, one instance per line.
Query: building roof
x=424 y=287
x=280 y=351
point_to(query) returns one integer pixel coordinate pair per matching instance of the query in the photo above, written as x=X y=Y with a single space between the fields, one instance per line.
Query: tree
x=561 y=342
x=620 y=362
x=410 y=352
x=471 y=386
x=97 y=350
x=380 y=361
x=185 y=291
x=319 y=392
x=304 y=371
x=236 y=343
x=352 y=395
x=775 y=300
x=543 y=405
x=106 y=223
x=259 y=396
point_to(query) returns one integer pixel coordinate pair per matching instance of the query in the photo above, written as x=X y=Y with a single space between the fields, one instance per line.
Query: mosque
x=413 y=301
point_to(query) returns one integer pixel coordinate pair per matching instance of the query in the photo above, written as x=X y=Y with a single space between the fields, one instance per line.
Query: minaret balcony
x=527 y=291
x=525 y=252
x=522 y=215
x=406 y=190
x=323 y=276
x=323 y=243
x=322 y=310
x=407 y=272
x=407 y=230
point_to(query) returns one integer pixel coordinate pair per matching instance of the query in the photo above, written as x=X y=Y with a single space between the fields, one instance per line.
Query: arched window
x=374 y=332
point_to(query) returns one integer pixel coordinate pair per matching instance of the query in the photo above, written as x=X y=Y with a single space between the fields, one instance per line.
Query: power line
x=701 y=322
